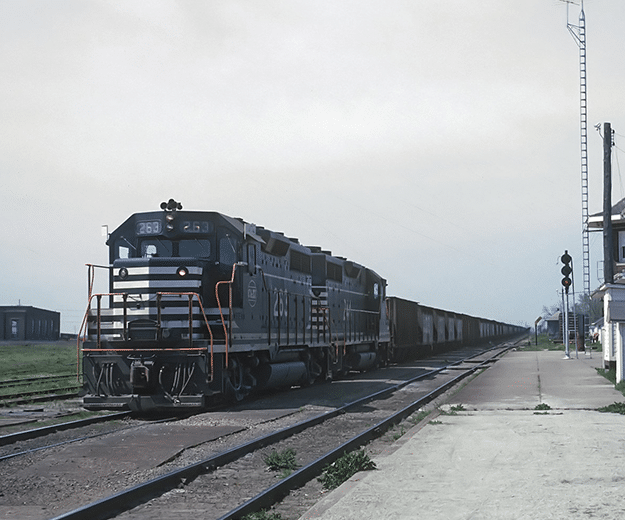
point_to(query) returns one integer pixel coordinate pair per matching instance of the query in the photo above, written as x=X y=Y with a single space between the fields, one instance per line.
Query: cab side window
x=251 y=258
x=228 y=248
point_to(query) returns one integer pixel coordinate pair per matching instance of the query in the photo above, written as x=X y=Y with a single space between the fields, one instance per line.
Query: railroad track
x=43 y=389
x=341 y=430
x=47 y=430
x=9 y=383
x=39 y=396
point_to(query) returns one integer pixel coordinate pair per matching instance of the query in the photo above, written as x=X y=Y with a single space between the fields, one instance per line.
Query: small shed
x=553 y=326
x=26 y=323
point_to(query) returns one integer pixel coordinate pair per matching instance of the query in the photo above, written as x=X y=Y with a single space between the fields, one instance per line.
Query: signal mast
x=579 y=35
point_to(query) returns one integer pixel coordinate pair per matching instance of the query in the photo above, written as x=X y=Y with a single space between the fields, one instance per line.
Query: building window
x=621 y=247
x=14 y=329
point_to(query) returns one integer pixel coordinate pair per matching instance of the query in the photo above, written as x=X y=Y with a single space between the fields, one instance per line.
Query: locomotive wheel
x=236 y=375
x=314 y=370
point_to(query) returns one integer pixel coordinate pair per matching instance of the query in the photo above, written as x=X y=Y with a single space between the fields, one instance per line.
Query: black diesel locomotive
x=203 y=305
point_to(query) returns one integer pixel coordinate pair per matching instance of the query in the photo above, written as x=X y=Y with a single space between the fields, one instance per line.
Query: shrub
x=613 y=408
x=283 y=461
x=344 y=468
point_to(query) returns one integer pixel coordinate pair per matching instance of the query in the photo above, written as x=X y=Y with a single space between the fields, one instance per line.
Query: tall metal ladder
x=579 y=34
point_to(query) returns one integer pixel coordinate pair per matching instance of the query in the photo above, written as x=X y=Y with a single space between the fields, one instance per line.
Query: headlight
x=123 y=273
x=170 y=217
x=182 y=272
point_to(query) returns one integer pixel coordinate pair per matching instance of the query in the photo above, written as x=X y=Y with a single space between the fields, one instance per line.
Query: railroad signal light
x=566 y=270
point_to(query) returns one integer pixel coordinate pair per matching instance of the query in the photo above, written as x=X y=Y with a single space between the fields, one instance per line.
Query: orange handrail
x=223 y=321
x=191 y=295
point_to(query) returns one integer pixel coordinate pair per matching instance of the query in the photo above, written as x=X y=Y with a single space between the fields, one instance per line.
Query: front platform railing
x=92 y=325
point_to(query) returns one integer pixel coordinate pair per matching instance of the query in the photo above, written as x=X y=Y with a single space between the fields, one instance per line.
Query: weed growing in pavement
x=344 y=468
x=262 y=515
x=283 y=461
x=613 y=408
x=416 y=419
x=453 y=410
x=399 y=434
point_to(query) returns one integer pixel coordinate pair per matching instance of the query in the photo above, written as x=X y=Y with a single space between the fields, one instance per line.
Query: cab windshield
x=164 y=248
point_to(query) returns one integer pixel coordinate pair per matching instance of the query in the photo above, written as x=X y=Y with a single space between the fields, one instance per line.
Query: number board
x=153 y=227
x=197 y=226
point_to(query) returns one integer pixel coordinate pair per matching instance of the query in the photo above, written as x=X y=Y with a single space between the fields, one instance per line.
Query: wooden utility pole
x=608 y=240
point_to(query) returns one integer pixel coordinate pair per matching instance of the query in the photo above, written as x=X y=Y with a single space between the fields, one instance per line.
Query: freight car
x=202 y=305
x=417 y=330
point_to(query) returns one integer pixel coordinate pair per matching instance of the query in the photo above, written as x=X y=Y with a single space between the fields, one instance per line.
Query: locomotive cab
x=171 y=289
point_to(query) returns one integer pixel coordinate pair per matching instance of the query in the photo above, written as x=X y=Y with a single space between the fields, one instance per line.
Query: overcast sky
x=436 y=142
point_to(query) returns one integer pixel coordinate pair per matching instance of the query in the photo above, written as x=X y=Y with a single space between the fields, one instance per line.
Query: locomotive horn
x=172 y=205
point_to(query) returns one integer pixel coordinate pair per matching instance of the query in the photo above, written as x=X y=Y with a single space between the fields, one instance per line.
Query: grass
x=416 y=419
x=542 y=407
x=20 y=361
x=613 y=408
x=544 y=343
x=344 y=468
x=610 y=375
x=283 y=461
x=453 y=410
x=399 y=434
x=32 y=386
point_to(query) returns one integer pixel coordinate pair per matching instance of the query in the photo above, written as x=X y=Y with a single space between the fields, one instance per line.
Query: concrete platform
x=500 y=458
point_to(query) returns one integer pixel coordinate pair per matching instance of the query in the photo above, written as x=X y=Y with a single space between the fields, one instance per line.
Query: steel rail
x=86 y=422
x=42 y=398
x=46 y=430
x=297 y=479
x=125 y=500
x=7 y=383
x=39 y=392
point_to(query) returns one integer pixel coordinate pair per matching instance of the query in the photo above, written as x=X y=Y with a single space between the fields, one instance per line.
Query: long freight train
x=202 y=305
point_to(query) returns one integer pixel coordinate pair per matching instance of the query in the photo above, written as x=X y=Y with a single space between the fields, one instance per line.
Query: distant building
x=612 y=292
x=553 y=326
x=25 y=323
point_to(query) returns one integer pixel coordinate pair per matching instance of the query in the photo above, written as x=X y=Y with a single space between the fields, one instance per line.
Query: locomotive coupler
x=141 y=374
